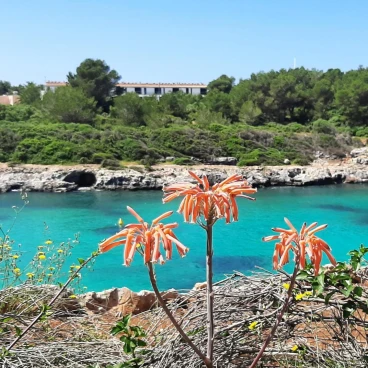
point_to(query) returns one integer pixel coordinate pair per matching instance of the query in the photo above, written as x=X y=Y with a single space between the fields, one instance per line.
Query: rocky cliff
x=65 y=179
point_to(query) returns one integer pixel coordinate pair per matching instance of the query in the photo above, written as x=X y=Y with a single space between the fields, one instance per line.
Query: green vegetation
x=266 y=119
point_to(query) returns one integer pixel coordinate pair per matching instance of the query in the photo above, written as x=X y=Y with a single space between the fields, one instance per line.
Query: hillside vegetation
x=287 y=114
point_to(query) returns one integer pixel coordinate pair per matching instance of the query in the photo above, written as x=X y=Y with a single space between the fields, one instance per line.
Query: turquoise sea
x=238 y=246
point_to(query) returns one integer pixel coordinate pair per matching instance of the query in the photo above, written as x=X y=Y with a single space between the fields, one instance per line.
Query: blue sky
x=179 y=40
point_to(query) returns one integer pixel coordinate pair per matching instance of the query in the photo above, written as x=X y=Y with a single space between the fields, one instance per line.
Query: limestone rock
x=363 y=151
x=124 y=301
x=101 y=301
x=223 y=161
x=200 y=286
x=56 y=179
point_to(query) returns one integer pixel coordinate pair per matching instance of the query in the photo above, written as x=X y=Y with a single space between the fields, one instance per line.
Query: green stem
x=210 y=295
x=172 y=318
x=280 y=315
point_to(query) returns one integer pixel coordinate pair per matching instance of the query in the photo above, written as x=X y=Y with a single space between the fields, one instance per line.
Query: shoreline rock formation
x=37 y=178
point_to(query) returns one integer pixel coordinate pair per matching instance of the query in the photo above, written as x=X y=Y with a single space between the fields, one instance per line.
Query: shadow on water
x=229 y=264
x=107 y=230
x=340 y=208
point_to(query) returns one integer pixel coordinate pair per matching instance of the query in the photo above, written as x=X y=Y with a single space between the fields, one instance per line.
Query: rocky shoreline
x=39 y=178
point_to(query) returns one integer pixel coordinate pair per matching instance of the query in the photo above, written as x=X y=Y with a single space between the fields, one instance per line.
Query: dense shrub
x=362 y=132
x=323 y=126
x=51 y=143
x=69 y=105
x=17 y=112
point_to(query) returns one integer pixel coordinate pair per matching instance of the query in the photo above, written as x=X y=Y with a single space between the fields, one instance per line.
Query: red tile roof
x=140 y=85
x=162 y=85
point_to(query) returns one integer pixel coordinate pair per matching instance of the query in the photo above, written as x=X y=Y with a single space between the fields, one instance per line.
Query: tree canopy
x=264 y=119
x=5 y=87
x=30 y=94
x=222 y=84
x=95 y=79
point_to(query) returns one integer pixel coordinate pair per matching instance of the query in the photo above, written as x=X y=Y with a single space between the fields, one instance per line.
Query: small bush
x=250 y=159
x=323 y=126
x=99 y=157
x=148 y=161
x=111 y=164
x=84 y=160
x=182 y=161
x=295 y=128
x=303 y=161
x=258 y=157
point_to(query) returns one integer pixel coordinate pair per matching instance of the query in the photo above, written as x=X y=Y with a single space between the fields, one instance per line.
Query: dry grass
x=71 y=337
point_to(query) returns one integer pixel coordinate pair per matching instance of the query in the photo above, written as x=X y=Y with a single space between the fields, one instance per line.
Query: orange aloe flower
x=212 y=203
x=146 y=240
x=303 y=243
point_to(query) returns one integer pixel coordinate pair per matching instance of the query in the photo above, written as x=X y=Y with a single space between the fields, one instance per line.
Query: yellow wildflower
x=40 y=247
x=253 y=325
x=41 y=257
x=15 y=256
x=49 y=275
x=51 y=268
x=299 y=296
x=39 y=280
x=138 y=245
x=73 y=296
x=30 y=274
x=48 y=242
x=60 y=251
x=286 y=286
x=17 y=271
x=294 y=348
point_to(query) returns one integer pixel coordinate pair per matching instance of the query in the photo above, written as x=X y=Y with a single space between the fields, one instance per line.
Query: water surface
x=238 y=246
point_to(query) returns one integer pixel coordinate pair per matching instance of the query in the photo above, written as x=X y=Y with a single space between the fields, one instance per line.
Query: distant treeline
x=270 y=117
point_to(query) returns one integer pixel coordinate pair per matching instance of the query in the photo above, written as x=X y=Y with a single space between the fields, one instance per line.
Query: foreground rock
x=66 y=179
x=124 y=301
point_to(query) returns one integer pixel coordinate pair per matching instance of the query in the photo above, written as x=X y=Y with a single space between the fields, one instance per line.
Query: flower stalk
x=210 y=294
x=162 y=302
x=303 y=243
x=202 y=205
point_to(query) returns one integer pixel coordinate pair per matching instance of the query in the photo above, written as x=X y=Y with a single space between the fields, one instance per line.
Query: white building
x=149 y=89
x=159 y=89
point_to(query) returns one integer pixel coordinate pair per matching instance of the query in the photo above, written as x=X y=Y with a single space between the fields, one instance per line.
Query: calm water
x=238 y=246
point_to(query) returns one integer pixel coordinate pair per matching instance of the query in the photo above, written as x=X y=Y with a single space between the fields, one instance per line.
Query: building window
x=157 y=91
x=203 y=91
x=138 y=90
x=175 y=89
x=187 y=90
